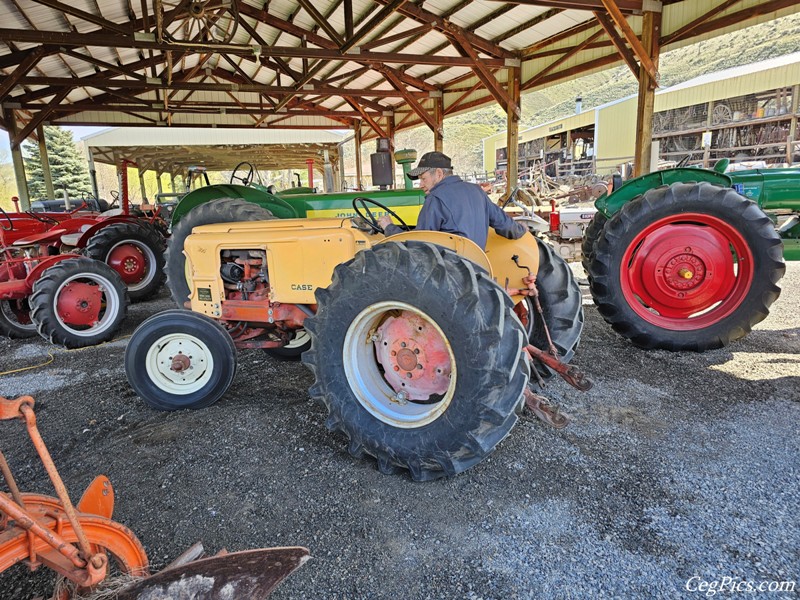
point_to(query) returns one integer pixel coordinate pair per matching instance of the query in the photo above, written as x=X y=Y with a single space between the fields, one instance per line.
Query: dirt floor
x=677 y=466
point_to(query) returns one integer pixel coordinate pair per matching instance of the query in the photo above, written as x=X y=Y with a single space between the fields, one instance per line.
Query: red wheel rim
x=129 y=261
x=79 y=304
x=686 y=271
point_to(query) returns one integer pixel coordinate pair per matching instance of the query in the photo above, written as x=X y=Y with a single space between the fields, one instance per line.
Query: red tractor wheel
x=78 y=302
x=134 y=251
x=686 y=267
x=15 y=319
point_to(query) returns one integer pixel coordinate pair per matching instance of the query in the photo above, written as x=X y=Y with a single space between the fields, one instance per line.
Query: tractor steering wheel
x=42 y=218
x=247 y=178
x=370 y=219
x=10 y=222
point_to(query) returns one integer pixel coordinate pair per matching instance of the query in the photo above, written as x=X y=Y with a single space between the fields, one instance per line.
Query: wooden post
x=709 y=123
x=651 y=29
x=790 y=146
x=512 y=131
x=16 y=158
x=142 y=186
x=390 y=131
x=438 y=116
x=357 y=141
x=48 y=176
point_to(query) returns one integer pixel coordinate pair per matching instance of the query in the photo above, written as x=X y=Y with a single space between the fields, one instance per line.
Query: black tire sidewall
x=725 y=204
x=103 y=241
x=199 y=326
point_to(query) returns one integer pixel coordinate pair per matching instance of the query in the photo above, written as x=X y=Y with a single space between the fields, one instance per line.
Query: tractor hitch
x=569 y=373
x=541 y=407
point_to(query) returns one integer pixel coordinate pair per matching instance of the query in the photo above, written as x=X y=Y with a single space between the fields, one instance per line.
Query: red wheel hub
x=686 y=271
x=129 y=261
x=79 y=304
x=414 y=356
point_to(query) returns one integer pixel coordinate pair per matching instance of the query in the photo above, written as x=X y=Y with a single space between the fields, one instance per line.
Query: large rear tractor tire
x=134 y=251
x=180 y=359
x=590 y=236
x=223 y=210
x=417 y=356
x=691 y=266
x=78 y=302
x=562 y=306
x=15 y=319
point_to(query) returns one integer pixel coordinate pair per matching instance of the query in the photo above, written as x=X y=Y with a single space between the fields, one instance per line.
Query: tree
x=67 y=166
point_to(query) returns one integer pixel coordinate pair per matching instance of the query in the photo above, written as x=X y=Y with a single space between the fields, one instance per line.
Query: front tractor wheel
x=78 y=302
x=180 y=359
x=417 y=355
x=134 y=251
x=687 y=267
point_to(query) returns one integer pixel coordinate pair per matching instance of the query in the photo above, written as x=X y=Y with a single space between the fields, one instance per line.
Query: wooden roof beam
x=619 y=43
x=482 y=71
x=89 y=17
x=689 y=27
x=320 y=20
x=626 y=6
x=382 y=41
x=572 y=52
x=412 y=102
x=367 y=117
x=638 y=48
x=38 y=118
x=24 y=67
x=370 y=25
x=424 y=16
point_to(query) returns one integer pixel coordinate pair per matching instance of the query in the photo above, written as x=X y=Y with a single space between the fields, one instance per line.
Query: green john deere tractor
x=244 y=199
x=689 y=259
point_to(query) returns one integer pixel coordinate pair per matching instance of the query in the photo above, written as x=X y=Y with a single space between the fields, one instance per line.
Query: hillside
x=749 y=45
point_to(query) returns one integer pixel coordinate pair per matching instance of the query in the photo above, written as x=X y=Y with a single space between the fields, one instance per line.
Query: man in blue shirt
x=455 y=206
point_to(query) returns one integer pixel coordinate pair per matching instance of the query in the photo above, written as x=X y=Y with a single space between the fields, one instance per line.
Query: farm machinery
x=80 y=541
x=70 y=275
x=421 y=343
x=688 y=258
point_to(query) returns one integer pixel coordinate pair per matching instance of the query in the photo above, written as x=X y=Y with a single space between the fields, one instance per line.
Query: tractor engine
x=251 y=318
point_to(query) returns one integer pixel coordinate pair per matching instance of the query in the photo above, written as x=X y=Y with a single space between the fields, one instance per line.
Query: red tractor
x=69 y=299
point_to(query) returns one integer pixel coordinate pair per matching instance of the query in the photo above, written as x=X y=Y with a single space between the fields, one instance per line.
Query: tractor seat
x=72 y=239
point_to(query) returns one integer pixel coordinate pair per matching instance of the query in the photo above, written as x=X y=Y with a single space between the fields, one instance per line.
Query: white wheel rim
x=368 y=384
x=159 y=361
x=108 y=313
x=300 y=338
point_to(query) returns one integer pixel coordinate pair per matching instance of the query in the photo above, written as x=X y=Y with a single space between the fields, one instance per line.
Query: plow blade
x=247 y=574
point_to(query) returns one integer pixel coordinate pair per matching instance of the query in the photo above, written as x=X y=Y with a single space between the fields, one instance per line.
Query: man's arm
x=503 y=224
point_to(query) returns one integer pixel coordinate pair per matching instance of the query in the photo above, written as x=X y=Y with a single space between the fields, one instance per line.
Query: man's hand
x=384 y=221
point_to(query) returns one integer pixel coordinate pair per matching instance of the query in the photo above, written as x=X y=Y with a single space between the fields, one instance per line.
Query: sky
x=78 y=133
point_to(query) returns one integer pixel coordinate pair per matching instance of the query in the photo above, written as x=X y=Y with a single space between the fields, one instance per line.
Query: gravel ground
x=675 y=466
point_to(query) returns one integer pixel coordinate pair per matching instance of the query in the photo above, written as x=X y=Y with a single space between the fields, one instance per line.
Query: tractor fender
x=45 y=264
x=497 y=260
x=610 y=204
x=278 y=207
x=96 y=225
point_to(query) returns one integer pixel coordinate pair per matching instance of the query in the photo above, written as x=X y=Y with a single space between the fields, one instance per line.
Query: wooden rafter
x=397 y=84
x=24 y=67
x=636 y=45
x=370 y=25
x=619 y=43
x=38 y=118
x=368 y=118
x=572 y=52
x=320 y=20
x=628 y=6
x=89 y=17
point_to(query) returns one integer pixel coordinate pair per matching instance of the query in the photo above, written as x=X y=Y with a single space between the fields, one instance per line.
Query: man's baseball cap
x=430 y=160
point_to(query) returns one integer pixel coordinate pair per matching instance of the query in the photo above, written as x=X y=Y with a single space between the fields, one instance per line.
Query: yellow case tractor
x=421 y=342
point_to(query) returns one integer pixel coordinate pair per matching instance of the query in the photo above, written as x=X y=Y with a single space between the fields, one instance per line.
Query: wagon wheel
x=687 y=143
x=197 y=20
x=662 y=122
x=721 y=114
